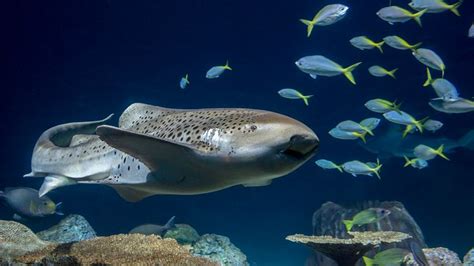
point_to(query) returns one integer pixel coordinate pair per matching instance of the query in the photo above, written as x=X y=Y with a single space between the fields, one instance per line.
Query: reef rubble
x=73 y=228
x=219 y=248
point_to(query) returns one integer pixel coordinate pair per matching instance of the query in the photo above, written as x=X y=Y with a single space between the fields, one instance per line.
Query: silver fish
x=159 y=150
x=430 y=59
x=395 y=14
x=359 y=168
x=318 y=65
x=458 y=106
x=435 y=6
x=328 y=15
x=153 y=229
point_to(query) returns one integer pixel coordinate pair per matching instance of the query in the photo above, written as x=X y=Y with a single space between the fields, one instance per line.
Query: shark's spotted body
x=173 y=151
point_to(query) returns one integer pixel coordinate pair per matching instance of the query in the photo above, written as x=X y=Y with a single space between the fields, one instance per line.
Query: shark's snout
x=301 y=146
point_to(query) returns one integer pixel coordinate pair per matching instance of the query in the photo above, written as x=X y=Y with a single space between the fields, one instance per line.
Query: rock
x=16 y=240
x=133 y=249
x=183 y=233
x=469 y=258
x=436 y=256
x=73 y=228
x=219 y=248
x=347 y=251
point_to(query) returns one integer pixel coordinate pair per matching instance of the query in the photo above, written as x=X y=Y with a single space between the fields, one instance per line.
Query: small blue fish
x=359 y=168
x=184 y=82
x=430 y=59
x=326 y=164
x=394 y=14
x=318 y=65
x=415 y=163
x=294 y=94
x=347 y=135
x=216 y=71
x=443 y=88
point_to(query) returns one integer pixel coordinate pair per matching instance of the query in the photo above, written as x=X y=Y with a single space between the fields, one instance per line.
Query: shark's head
x=274 y=144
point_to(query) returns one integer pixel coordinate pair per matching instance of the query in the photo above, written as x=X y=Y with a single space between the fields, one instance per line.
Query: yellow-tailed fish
x=430 y=59
x=382 y=106
x=328 y=15
x=326 y=164
x=435 y=6
x=427 y=153
x=368 y=216
x=364 y=43
x=394 y=14
x=415 y=163
x=359 y=168
x=294 y=94
x=379 y=71
x=318 y=65
x=216 y=71
x=399 y=43
x=392 y=256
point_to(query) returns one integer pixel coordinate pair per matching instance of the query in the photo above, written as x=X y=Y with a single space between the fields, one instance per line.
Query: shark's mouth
x=301 y=147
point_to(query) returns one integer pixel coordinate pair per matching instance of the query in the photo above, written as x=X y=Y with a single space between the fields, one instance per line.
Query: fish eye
x=45 y=203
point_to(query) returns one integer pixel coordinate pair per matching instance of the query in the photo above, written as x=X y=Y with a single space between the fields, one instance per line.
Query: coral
x=435 y=257
x=469 y=258
x=348 y=251
x=17 y=239
x=219 y=248
x=73 y=228
x=183 y=233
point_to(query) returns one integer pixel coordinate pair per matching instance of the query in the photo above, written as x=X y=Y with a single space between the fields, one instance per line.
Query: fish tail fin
x=187 y=78
x=407 y=161
x=407 y=130
x=396 y=107
x=377 y=168
x=348 y=224
x=466 y=141
x=361 y=136
x=429 y=79
x=391 y=73
x=379 y=46
x=419 y=123
x=439 y=151
x=368 y=261
x=368 y=130
x=454 y=8
x=226 y=66
x=305 y=99
x=170 y=223
x=338 y=167
x=310 y=26
x=415 y=46
x=348 y=72
x=417 y=16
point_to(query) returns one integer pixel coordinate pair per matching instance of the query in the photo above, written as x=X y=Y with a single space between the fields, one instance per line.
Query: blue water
x=81 y=60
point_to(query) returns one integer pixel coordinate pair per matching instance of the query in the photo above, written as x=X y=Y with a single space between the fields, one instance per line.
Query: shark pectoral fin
x=258 y=183
x=155 y=153
x=33 y=174
x=131 y=194
x=54 y=181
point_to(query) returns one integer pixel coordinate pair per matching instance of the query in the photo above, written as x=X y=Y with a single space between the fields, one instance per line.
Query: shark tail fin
x=348 y=72
x=417 y=16
x=429 y=79
x=348 y=224
x=454 y=8
x=170 y=223
x=467 y=141
x=439 y=151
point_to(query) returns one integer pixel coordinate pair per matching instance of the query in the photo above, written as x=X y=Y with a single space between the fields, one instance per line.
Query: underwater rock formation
x=347 y=251
x=469 y=258
x=219 y=248
x=17 y=239
x=327 y=220
x=73 y=228
x=19 y=245
x=183 y=233
x=436 y=256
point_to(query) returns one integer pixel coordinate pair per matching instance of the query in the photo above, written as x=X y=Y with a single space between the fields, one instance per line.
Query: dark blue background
x=81 y=60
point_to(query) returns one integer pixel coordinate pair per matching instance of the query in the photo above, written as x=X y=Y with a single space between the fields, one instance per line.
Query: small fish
x=432 y=125
x=367 y=216
x=184 y=82
x=415 y=163
x=153 y=229
x=379 y=71
x=458 y=106
x=382 y=106
x=443 y=88
x=406 y=119
x=347 y=135
x=318 y=65
x=26 y=202
x=364 y=43
x=370 y=123
x=394 y=14
x=328 y=15
x=216 y=71
x=359 y=168
x=326 y=164
x=352 y=126
x=470 y=33
x=399 y=43
x=392 y=256
x=427 y=153
x=430 y=59
x=294 y=94
x=435 y=6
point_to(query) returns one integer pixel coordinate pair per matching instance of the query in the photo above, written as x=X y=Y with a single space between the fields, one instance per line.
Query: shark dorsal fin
x=140 y=112
x=154 y=152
